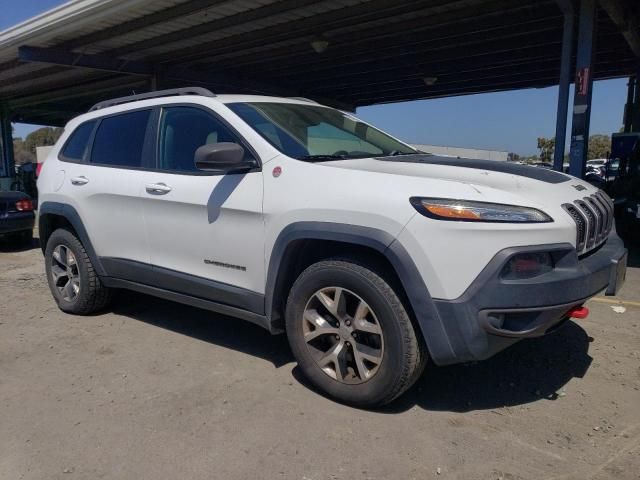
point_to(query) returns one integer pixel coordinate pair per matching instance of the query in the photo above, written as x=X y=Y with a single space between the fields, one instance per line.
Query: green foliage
x=20 y=154
x=24 y=151
x=546 y=147
x=599 y=146
x=42 y=137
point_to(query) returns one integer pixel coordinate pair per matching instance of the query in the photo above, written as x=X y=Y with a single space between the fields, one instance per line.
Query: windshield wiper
x=396 y=153
x=322 y=158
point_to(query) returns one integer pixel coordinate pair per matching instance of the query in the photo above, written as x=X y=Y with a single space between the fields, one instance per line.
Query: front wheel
x=351 y=334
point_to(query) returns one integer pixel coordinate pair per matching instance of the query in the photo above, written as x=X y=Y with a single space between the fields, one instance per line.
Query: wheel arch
x=285 y=258
x=54 y=215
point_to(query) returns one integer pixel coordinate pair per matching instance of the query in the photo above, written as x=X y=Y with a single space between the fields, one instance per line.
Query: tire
x=86 y=294
x=386 y=334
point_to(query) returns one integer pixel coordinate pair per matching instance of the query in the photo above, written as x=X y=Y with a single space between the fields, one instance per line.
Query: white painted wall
x=465 y=152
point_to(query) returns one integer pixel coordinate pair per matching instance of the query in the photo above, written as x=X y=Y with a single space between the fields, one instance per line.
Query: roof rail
x=304 y=99
x=159 y=93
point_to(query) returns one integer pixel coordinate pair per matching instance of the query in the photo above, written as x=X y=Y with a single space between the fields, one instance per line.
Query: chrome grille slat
x=593 y=216
x=581 y=224
x=591 y=223
x=600 y=217
x=607 y=216
x=608 y=203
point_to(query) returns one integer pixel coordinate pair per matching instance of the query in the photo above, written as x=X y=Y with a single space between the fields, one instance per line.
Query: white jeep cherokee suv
x=373 y=257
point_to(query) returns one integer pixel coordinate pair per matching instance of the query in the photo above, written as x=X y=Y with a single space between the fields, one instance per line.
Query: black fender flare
x=423 y=306
x=71 y=215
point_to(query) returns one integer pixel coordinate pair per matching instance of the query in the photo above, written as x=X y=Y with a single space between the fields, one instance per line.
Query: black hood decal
x=536 y=173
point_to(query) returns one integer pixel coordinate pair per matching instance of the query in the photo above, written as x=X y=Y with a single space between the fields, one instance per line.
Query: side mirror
x=221 y=156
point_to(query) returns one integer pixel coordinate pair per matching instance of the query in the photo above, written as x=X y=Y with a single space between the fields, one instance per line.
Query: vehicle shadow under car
x=9 y=245
x=528 y=371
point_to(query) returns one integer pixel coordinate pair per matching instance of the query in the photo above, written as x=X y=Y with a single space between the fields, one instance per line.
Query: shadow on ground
x=528 y=371
x=9 y=245
x=203 y=325
x=630 y=234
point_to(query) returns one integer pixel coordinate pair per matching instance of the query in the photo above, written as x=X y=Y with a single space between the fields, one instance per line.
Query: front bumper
x=494 y=313
x=16 y=222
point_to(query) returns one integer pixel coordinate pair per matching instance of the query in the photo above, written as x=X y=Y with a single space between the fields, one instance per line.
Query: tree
x=599 y=146
x=24 y=151
x=42 y=137
x=513 y=157
x=546 y=147
x=20 y=154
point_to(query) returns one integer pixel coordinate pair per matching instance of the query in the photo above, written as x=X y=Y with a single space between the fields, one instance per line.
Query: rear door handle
x=158 y=188
x=79 y=180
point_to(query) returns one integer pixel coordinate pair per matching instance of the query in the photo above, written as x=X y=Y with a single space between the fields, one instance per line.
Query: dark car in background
x=16 y=216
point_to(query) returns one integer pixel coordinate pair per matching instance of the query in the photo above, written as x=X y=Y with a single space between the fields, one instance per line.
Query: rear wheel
x=72 y=279
x=351 y=334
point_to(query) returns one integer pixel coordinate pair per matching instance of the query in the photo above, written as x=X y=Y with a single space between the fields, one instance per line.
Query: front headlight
x=469 y=211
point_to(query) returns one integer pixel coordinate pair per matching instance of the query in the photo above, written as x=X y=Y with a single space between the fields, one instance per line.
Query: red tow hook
x=578 y=312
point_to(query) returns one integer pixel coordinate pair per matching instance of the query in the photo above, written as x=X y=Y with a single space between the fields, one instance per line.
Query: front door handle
x=158 y=188
x=79 y=180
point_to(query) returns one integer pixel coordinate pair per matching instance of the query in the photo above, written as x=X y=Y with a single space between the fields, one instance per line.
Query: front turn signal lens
x=471 y=211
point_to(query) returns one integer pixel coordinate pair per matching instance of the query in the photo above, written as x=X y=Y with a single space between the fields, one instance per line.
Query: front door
x=205 y=231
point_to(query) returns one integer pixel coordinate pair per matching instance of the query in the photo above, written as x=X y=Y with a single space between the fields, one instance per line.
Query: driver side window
x=182 y=131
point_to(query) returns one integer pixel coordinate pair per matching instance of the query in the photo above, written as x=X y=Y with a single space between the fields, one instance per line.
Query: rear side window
x=119 y=140
x=76 y=146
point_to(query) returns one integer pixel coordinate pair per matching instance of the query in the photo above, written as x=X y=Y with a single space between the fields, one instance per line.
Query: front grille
x=593 y=216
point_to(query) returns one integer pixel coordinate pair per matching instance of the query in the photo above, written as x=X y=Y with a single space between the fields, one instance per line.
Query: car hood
x=518 y=179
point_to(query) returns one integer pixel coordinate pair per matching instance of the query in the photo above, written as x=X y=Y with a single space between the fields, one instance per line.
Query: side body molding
x=423 y=305
x=71 y=215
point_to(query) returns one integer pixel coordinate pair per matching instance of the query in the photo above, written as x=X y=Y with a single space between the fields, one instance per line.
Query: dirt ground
x=156 y=390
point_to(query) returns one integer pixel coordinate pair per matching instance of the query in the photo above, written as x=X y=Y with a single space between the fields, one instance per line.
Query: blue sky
x=502 y=121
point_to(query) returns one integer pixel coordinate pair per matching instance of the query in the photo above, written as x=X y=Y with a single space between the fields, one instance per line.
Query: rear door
x=105 y=183
x=205 y=230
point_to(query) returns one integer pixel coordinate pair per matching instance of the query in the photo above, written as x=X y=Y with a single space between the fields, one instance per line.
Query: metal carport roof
x=57 y=64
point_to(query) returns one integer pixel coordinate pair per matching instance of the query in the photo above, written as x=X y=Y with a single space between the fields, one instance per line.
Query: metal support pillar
x=583 y=88
x=635 y=110
x=628 y=108
x=7 y=170
x=563 y=89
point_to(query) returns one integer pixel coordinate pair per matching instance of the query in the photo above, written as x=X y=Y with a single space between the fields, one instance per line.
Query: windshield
x=316 y=133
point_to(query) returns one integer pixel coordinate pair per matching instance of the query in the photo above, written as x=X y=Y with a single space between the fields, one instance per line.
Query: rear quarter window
x=77 y=143
x=119 y=140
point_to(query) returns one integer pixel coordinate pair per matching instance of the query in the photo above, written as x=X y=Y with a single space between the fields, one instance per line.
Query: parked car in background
x=543 y=165
x=16 y=216
x=597 y=162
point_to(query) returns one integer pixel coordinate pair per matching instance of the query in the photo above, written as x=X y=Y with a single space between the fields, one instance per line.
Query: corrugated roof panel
x=124 y=15
x=222 y=10
x=279 y=19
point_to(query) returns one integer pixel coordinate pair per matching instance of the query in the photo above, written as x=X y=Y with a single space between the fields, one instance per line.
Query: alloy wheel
x=65 y=272
x=343 y=335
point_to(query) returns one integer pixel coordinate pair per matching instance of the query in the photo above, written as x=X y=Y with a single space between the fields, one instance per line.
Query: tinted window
x=77 y=143
x=119 y=139
x=182 y=131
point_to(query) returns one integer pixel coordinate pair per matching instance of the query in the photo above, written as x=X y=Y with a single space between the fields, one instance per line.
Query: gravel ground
x=152 y=389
